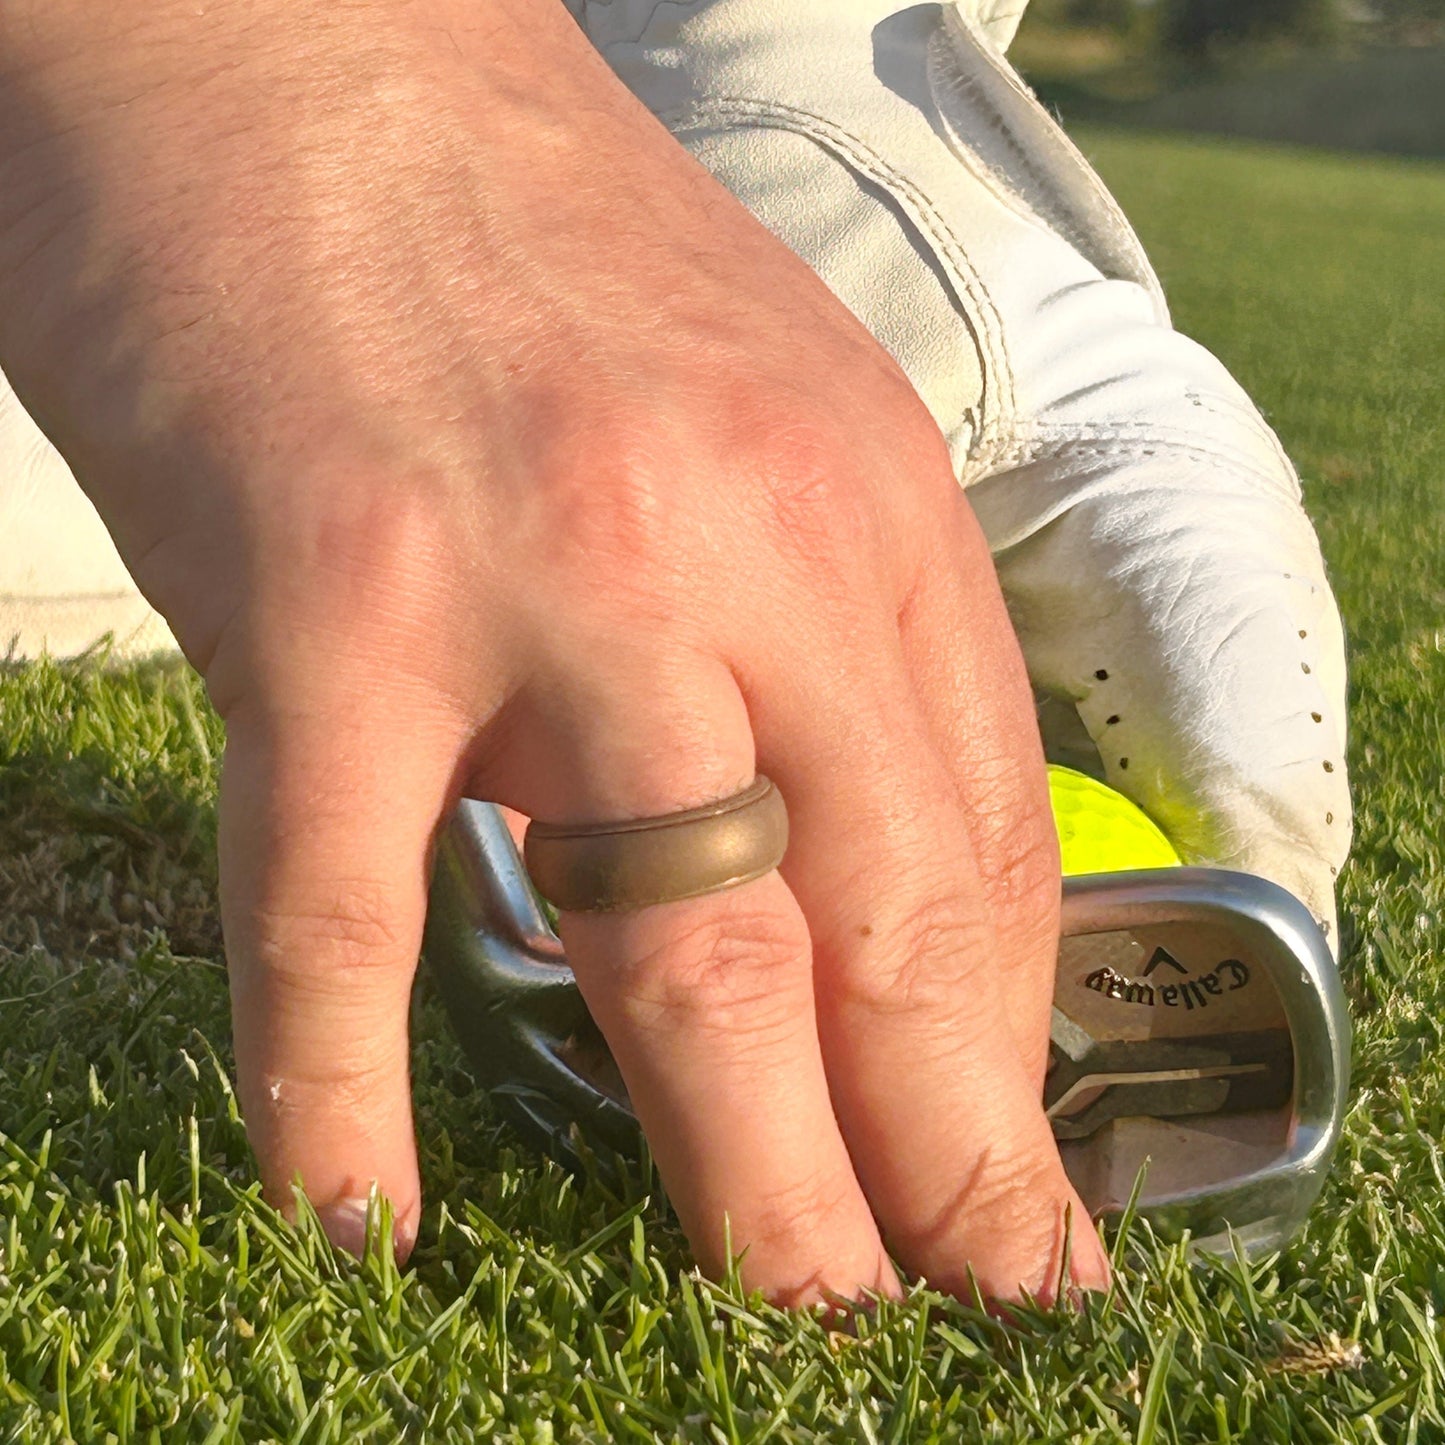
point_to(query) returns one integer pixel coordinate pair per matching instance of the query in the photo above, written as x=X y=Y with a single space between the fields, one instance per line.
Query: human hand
x=460 y=466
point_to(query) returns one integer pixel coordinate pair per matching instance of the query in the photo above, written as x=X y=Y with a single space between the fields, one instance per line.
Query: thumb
x=327 y=814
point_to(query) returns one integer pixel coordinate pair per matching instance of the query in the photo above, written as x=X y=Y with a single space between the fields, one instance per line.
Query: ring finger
x=707 y=1003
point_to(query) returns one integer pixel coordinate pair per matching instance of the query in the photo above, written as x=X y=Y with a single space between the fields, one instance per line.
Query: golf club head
x=1199 y=1033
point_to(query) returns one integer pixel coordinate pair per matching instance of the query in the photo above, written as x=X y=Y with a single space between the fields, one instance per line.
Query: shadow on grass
x=107 y=810
x=110 y=941
x=114 y=1009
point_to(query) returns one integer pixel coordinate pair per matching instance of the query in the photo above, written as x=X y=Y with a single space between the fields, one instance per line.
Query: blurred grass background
x=1357 y=75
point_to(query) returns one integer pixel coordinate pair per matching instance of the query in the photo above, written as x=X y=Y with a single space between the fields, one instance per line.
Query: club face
x=1199 y=1032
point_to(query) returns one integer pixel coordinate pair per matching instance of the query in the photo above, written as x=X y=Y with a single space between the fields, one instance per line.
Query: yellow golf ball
x=1101 y=831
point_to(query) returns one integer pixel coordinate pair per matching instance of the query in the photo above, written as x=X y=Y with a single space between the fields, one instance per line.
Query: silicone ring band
x=613 y=867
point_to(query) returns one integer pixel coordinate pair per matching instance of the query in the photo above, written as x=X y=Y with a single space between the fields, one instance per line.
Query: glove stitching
x=1134 y=441
x=1241 y=415
x=1135 y=262
x=955 y=80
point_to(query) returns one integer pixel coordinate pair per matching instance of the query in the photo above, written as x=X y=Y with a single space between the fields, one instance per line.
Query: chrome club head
x=1199 y=1032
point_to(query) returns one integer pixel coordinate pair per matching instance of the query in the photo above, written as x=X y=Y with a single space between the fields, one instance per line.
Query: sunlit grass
x=147 y=1294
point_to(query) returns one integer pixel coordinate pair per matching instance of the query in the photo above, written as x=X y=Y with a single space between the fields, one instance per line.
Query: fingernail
x=1088 y=1263
x=403 y=1237
x=344 y=1221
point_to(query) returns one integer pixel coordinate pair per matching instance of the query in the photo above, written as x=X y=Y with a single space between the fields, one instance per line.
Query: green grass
x=147 y=1294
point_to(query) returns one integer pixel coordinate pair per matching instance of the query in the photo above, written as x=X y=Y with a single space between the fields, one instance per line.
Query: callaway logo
x=1189 y=993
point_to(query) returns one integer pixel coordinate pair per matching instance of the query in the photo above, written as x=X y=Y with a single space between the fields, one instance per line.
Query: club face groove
x=1199 y=1032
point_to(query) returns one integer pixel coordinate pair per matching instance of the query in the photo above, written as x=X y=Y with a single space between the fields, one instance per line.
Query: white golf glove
x=1164 y=580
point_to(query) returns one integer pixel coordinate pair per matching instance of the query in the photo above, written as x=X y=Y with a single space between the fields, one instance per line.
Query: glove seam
x=1039 y=442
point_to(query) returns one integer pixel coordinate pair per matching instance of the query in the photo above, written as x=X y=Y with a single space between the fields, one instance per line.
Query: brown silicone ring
x=609 y=867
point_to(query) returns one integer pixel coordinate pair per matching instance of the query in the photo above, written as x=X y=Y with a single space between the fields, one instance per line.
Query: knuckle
x=845 y=505
x=356 y=925
x=805 y=1209
x=348 y=1086
x=627 y=524
x=921 y=960
x=1021 y=870
x=728 y=968
x=617 y=516
x=1018 y=861
x=379 y=528
x=371 y=567
x=1009 y=1178
x=1002 y=1182
x=817 y=510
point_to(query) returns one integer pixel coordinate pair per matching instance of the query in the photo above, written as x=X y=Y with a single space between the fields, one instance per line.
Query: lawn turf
x=147 y=1294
